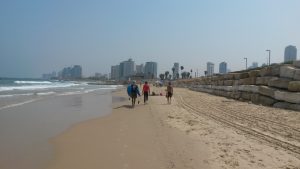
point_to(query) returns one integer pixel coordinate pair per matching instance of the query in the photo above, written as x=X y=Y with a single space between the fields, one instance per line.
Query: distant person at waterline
x=169 y=93
x=133 y=91
x=146 y=92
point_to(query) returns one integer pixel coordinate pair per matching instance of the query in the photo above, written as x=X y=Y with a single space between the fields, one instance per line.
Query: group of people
x=133 y=91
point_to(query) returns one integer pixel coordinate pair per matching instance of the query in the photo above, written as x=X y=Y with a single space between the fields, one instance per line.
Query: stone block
x=254 y=73
x=241 y=75
x=235 y=82
x=264 y=80
x=228 y=82
x=282 y=105
x=287 y=71
x=235 y=95
x=297 y=74
x=285 y=105
x=248 y=81
x=246 y=95
x=267 y=91
x=281 y=83
x=291 y=97
x=249 y=88
x=266 y=71
x=221 y=82
x=229 y=76
x=275 y=70
x=296 y=63
x=294 y=86
x=263 y=100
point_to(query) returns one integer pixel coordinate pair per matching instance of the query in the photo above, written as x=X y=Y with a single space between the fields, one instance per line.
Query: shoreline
x=158 y=135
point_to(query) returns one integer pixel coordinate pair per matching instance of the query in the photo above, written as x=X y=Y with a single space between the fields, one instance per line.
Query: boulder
x=249 y=88
x=241 y=75
x=275 y=70
x=263 y=100
x=246 y=95
x=267 y=91
x=254 y=73
x=264 y=80
x=285 y=105
x=228 y=82
x=294 y=86
x=229 y=76
x=248 y=81
x=297 y=74
x=287 y=71
x=235 y=95
x=281 y=83
x=291 y=97
x=296 y=63
x=266 y=71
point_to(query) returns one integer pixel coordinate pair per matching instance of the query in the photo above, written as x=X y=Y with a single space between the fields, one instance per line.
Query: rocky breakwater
x=277 y=85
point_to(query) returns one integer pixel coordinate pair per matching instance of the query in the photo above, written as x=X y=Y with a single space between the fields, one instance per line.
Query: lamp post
x=246 y=63
x=268 y=50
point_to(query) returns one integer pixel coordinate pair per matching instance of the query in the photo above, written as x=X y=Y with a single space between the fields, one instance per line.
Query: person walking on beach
x=134 y=91
x=146 y=91
x=169 y=92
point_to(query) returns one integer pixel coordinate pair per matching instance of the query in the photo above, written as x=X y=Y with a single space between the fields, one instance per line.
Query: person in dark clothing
x=134 y=92
x=169 y=92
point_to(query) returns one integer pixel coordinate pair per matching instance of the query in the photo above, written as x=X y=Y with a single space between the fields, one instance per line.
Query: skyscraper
x=140 y=68
x=223 y=68
x=210 y=68
x=150 y=70
x=127 y=68
x=290 y=53
x=115 y=72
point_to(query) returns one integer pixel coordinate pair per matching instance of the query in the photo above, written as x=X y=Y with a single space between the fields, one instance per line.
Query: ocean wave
x=12 y=95
x=32 y=82
x=36 y=87
x=17 y=104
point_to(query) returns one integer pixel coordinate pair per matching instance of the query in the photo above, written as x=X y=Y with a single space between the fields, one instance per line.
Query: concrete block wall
x=277 y=85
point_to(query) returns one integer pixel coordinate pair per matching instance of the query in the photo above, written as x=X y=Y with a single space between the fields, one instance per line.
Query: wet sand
x=196 y=131
x=26 y=129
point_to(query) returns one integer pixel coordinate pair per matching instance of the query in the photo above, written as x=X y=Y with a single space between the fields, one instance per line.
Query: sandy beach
x=197 y=130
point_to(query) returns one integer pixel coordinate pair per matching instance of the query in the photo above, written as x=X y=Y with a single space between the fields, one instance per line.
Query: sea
x=34 y=111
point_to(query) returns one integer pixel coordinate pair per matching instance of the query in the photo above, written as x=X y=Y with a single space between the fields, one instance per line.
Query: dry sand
x=196 y=131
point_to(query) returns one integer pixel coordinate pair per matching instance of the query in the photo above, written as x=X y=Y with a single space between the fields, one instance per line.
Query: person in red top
x=146 y=92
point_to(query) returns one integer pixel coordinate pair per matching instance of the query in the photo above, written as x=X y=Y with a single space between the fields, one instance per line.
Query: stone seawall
x=275 y=85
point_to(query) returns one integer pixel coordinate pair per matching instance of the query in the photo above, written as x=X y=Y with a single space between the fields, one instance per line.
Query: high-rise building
x=127 y=68
x=76 y=72
x=115 y=72
x=290 y=53
x=139 y=68
x=176 y=70
x=223 y=68
x=150 y=70
x=210 y=68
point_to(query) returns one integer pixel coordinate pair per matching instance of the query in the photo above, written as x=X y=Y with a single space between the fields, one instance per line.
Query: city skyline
x=40 y=36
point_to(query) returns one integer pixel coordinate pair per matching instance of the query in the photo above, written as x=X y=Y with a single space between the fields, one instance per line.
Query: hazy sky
x=41 y=36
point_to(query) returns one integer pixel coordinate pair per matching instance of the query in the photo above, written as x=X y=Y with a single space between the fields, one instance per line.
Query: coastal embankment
x=277 y=85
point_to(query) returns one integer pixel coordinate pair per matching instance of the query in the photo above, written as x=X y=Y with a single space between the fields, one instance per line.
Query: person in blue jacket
x=133 y=91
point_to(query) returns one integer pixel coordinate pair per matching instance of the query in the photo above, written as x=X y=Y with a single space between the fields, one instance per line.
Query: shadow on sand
x=125 y=106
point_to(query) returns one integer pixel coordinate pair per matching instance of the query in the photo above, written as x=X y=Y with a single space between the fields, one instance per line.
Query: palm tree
x=161 y=76
x=166 y=74
x=181 y=68
x=173 y=70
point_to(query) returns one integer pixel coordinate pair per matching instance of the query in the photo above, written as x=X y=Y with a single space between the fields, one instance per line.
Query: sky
x=43 y=36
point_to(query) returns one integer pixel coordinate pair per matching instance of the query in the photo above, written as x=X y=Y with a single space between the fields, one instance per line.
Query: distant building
x=74 y=72
x=223 y=68
x=290 y=53
x=210 y=68
x=127 y=69
x=253 y=66
x=176 y=70
x=49 y=75
x=150 y=70
x=139 y=69
x=115 y=72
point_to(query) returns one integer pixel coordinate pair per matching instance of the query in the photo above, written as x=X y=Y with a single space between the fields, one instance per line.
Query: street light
x=246 y=63
x=268 y=50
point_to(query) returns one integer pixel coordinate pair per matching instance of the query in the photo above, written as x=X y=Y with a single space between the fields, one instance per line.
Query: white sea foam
x=32 y=82
x=45 y=93
x=17 y=104
x=12 y=95
x=35 y=87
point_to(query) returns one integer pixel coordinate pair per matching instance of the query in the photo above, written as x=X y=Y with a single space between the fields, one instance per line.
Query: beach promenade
x=197 y=131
